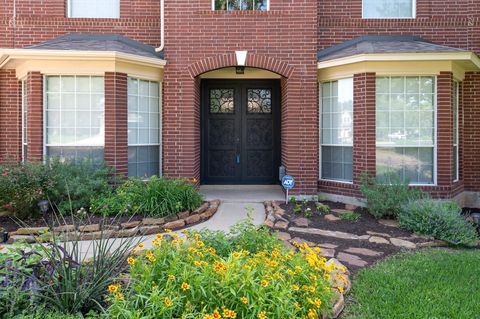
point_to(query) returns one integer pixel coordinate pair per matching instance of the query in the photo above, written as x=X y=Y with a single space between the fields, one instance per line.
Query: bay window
x=143 y=128
x=381 y=9
x=74 y=117
x=405 y=128
x=337 y=130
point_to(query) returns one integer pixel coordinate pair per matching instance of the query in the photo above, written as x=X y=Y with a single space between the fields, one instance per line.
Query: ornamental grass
x=185 y=277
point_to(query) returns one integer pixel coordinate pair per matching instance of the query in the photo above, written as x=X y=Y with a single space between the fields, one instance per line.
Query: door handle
x=237 y=158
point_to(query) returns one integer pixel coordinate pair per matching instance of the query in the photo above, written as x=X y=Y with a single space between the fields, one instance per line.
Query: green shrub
x=439 y=219
x=188 y=278
x=67 y=185
x=385 y=198
x=155 y=197
x=353 y=217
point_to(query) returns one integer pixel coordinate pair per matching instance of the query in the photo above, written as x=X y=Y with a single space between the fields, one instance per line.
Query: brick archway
x=228 y=60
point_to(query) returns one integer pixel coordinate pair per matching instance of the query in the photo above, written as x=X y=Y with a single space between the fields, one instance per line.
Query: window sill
x=241 y=13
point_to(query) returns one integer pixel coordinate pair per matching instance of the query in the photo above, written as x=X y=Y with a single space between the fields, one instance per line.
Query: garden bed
x=94 y=226
x=358 y=240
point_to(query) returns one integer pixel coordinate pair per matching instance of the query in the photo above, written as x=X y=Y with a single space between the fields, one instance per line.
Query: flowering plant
x=185 y=277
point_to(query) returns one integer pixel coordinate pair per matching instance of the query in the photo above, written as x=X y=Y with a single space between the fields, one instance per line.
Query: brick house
x=327 y=89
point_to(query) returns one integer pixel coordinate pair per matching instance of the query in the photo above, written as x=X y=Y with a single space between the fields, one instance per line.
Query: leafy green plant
x=293 y=200
x=322 y=208
x=385 y=198
x=190 y=278
x=440 y=219
x=308 y=212
x=297 y=209
x=354 y=217
x=155 y=197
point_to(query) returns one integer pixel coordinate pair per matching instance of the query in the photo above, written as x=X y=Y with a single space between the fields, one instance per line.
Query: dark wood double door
x=240 y=131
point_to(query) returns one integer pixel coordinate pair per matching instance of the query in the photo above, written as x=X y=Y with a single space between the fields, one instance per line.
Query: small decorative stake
x=288 y=182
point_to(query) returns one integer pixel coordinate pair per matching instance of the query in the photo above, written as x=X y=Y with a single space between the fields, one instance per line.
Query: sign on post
x=288 y=182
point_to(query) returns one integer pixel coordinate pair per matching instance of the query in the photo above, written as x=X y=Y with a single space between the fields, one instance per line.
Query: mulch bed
x=365 y=223
x=11 y=224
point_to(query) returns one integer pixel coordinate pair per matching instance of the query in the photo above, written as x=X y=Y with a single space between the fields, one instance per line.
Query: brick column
x=471 y=132
x=116 y=122
x=34 y=116
x=364 y=125
x=444 y=129
x=10 y=116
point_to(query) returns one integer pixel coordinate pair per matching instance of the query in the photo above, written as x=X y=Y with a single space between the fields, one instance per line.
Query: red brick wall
x=116 y=121
x=41 y=20
x=286 y=35
x=34 y=116
x=471 y=131
x=10 y=116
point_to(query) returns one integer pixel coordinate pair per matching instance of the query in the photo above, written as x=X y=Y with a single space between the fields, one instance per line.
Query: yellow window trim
x=80 y=63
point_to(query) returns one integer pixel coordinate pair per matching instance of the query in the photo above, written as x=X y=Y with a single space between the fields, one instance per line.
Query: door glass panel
x=259 y=101
x=221 y=101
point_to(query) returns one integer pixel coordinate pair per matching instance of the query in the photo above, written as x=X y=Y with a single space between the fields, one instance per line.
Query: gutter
x=162 y=27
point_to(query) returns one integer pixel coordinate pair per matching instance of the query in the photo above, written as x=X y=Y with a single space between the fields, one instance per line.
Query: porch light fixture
x=241 y=57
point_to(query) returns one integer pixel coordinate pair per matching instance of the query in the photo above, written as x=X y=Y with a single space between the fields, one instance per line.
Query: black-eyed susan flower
x=113 y=288
x=185 y=286
x=131 y=260
x=244 y=300
x=167 y=301
x=262 y=315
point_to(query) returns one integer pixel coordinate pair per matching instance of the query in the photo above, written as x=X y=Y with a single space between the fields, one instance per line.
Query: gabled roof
x=382 y=44
x=98 y=42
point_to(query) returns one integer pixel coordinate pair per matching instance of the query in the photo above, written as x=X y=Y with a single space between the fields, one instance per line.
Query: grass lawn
x=431 y=284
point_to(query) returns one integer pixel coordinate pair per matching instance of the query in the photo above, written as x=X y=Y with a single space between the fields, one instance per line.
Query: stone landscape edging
x=147 y=226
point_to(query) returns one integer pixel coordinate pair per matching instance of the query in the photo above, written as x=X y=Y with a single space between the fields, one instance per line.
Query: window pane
x=241 y=5
x=411 y=164
x=388 y=8
x=337 y=163
x=94 y=9
x=72 y=129
x=143 y=127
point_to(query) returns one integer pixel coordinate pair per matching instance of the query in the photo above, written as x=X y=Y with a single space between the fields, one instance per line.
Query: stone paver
x=378 y=240
x=341 y=211
x=327 y=252
x=301 y=241
x=332 y=218
x=326 y=233
x=364 y=251
x=378 y=234
x=284 y=236
x=403 y=243
x=352 y=259
x=327 y=245
x=281 y=225
x=301 y=222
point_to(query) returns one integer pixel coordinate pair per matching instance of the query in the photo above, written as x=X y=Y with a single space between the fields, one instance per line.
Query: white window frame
x=435 y=121
x=213 y=7
x=24 y=119
x=456 y=143
x=414 y=13
x=44 y=111
x=320 y=133
x=160 y=122
x=69 y=12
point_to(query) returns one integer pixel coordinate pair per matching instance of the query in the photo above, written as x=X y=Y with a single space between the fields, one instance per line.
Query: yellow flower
x=216 y=315
x=167 y=230
x=140 y=246
x=247 y=267
x=134 y=251
x=236 y=254
x=151 y=258
x=196 y=236
x=200 y=244
x=227 y=313
x=159 y=236
x=295 y=287
x=264 y=283
x=312 y=314
x=113 y=288
x=119 y=296
x=244 y=300
x=262 y=315
x=326 y=277
x=171 y=277
x=340 y=289
x=185 y=286
x=131 y=260
x=167 y=302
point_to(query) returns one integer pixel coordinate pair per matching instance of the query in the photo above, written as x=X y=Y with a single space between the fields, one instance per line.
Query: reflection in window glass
x=94 y=9
x=405 y=127
x=337 y=129
x=261 y=5
x=388 y=8
x=74 y=123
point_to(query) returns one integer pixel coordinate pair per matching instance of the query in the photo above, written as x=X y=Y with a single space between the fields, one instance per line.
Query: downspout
x=162 y=26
